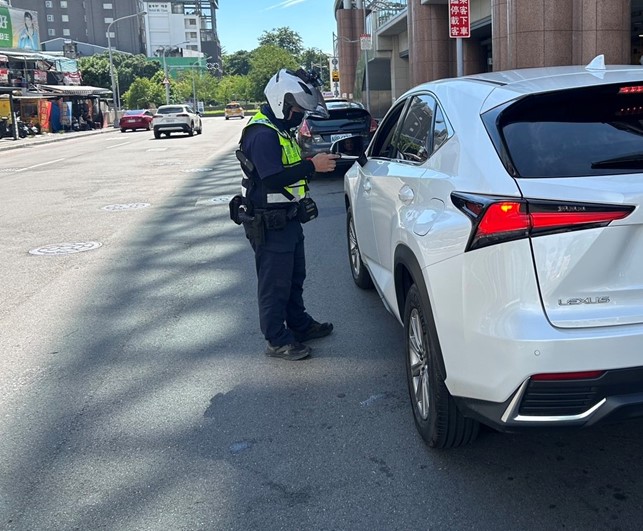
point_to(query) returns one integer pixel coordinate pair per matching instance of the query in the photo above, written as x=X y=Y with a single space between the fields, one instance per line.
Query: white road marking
x=38 y=165
x=118 y=145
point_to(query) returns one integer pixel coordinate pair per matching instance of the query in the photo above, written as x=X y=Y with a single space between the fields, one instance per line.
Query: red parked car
x=136 y=119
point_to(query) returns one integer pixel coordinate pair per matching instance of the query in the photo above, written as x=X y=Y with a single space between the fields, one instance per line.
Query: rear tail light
x=182 y=115
x=304 y=130
x=558 y=376
x=373 y=125
x=500 y=219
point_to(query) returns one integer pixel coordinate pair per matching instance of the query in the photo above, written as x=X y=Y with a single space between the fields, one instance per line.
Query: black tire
x=157 y=135
x=123 y=130
x=199 y=130
x=191 y=130
x=436 y=414
x=361 y=276
x=227 y=117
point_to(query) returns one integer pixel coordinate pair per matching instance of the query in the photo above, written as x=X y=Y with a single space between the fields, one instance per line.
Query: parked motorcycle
x=5 y=130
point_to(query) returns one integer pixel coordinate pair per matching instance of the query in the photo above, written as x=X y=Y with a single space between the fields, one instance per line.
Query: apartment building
x=411 y=43
x=87 y=21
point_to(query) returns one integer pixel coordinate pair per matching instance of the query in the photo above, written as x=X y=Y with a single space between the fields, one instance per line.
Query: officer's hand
x=324 y=162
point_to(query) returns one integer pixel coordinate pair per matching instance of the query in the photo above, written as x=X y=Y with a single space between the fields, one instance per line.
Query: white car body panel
x=562 y=302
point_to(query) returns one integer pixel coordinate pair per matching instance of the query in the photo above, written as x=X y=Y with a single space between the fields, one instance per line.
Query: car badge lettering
x=583 y=300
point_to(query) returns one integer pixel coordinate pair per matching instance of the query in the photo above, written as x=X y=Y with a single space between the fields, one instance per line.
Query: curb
x=51 y=137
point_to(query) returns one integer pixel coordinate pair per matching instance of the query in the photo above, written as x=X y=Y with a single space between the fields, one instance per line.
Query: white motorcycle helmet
x=287 y=89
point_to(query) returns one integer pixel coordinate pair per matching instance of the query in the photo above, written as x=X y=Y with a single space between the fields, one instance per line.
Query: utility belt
x=256 y=221
x=276 y=218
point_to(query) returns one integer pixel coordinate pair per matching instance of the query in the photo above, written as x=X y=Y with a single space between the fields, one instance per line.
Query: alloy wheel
x=356 y=261
x=418 y=365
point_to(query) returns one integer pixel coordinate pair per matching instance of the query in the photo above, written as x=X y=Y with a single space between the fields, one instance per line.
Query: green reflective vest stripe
x=290 y=156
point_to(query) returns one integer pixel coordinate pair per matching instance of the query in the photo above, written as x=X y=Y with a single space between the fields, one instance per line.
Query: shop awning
x=75 y=90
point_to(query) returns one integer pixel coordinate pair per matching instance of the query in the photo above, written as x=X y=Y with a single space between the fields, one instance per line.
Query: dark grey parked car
x=347 y=118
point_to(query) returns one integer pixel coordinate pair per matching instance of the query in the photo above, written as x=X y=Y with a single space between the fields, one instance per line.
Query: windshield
x=129 y=113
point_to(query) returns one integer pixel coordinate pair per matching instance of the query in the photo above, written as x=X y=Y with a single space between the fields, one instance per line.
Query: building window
x=107 y=6
x=50 y=18
x=65 y=18
x=51 y=32
x=109 y=20
x=192 y=35
x=63 y=4
x=111 y=35
x=66 y=32
x=49 y=3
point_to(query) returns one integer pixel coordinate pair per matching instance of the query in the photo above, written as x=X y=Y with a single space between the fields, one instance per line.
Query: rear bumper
x=164 y=128
x=615 y=396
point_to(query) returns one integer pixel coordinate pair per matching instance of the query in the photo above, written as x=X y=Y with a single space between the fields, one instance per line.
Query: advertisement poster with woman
x=19 y=29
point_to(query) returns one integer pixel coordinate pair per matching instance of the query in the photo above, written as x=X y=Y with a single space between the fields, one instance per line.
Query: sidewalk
x=46 y=138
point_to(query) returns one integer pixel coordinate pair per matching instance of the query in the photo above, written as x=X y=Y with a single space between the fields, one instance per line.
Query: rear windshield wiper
x=634 y=161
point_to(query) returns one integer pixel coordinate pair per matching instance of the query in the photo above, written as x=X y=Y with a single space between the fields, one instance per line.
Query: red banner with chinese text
x=459 y=19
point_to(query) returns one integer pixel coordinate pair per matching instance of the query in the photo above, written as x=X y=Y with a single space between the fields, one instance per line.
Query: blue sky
x=240 y=23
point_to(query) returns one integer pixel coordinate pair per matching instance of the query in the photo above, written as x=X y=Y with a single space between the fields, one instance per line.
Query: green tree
x=237 y=63
x=284 y=38
x=265 y=62
x=314 y=58
x=96 y=72
x=204 y=84
x=143 y=93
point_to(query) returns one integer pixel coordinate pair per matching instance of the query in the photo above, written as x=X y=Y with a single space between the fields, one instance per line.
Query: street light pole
x=115 y=98
x=166 y=81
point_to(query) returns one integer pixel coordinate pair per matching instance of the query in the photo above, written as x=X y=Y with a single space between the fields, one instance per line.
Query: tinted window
x=413 y=141
x=382 y=146
x=232 y=106
x=573 y=133
x=129 y=113
x=170 y=110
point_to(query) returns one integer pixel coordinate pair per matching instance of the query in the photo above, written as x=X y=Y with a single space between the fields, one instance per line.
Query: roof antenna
x=598 y=63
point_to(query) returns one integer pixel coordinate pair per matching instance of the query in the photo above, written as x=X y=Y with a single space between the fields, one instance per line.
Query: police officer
x=276 y=197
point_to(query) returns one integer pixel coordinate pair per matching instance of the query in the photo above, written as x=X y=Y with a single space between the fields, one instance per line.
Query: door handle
x=406 y=194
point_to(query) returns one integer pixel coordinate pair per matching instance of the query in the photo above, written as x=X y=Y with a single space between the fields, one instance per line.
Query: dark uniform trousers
x=281 y=270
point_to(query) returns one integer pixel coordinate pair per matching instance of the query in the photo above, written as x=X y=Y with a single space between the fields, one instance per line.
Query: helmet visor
x=312 y=101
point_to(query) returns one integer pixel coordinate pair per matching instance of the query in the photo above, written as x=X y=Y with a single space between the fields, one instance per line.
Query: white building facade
x=166 y=26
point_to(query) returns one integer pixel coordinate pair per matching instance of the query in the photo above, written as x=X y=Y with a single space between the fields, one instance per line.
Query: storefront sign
x=459 y=19
x=39 y=76
x=71 y=78
x=19 y=29
x=4 y=76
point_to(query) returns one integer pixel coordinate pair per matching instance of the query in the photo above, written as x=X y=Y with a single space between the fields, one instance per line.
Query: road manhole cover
x=56 y=249
x=125 y=206
x=196 y=170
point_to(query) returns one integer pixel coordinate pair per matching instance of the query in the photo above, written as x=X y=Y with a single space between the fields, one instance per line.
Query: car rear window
x=170 y=110
x=129 y=113
x=574 y=133
x=339 y=117
x=232 y=106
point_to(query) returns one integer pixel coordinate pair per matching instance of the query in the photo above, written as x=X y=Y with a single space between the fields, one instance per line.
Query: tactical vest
x=290 y=156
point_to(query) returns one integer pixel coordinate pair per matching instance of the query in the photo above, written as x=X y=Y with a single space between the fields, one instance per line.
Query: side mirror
x=351 y=148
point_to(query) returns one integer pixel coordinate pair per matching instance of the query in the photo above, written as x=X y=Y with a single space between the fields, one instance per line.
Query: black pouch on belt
x=306 y=210
x=275 y=219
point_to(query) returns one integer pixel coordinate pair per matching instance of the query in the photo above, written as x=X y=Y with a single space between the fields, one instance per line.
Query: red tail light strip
x=557 y=376
x=499 y=219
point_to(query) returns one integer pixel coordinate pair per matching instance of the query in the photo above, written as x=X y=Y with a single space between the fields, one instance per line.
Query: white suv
x=499 y=218
x=176 y=119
